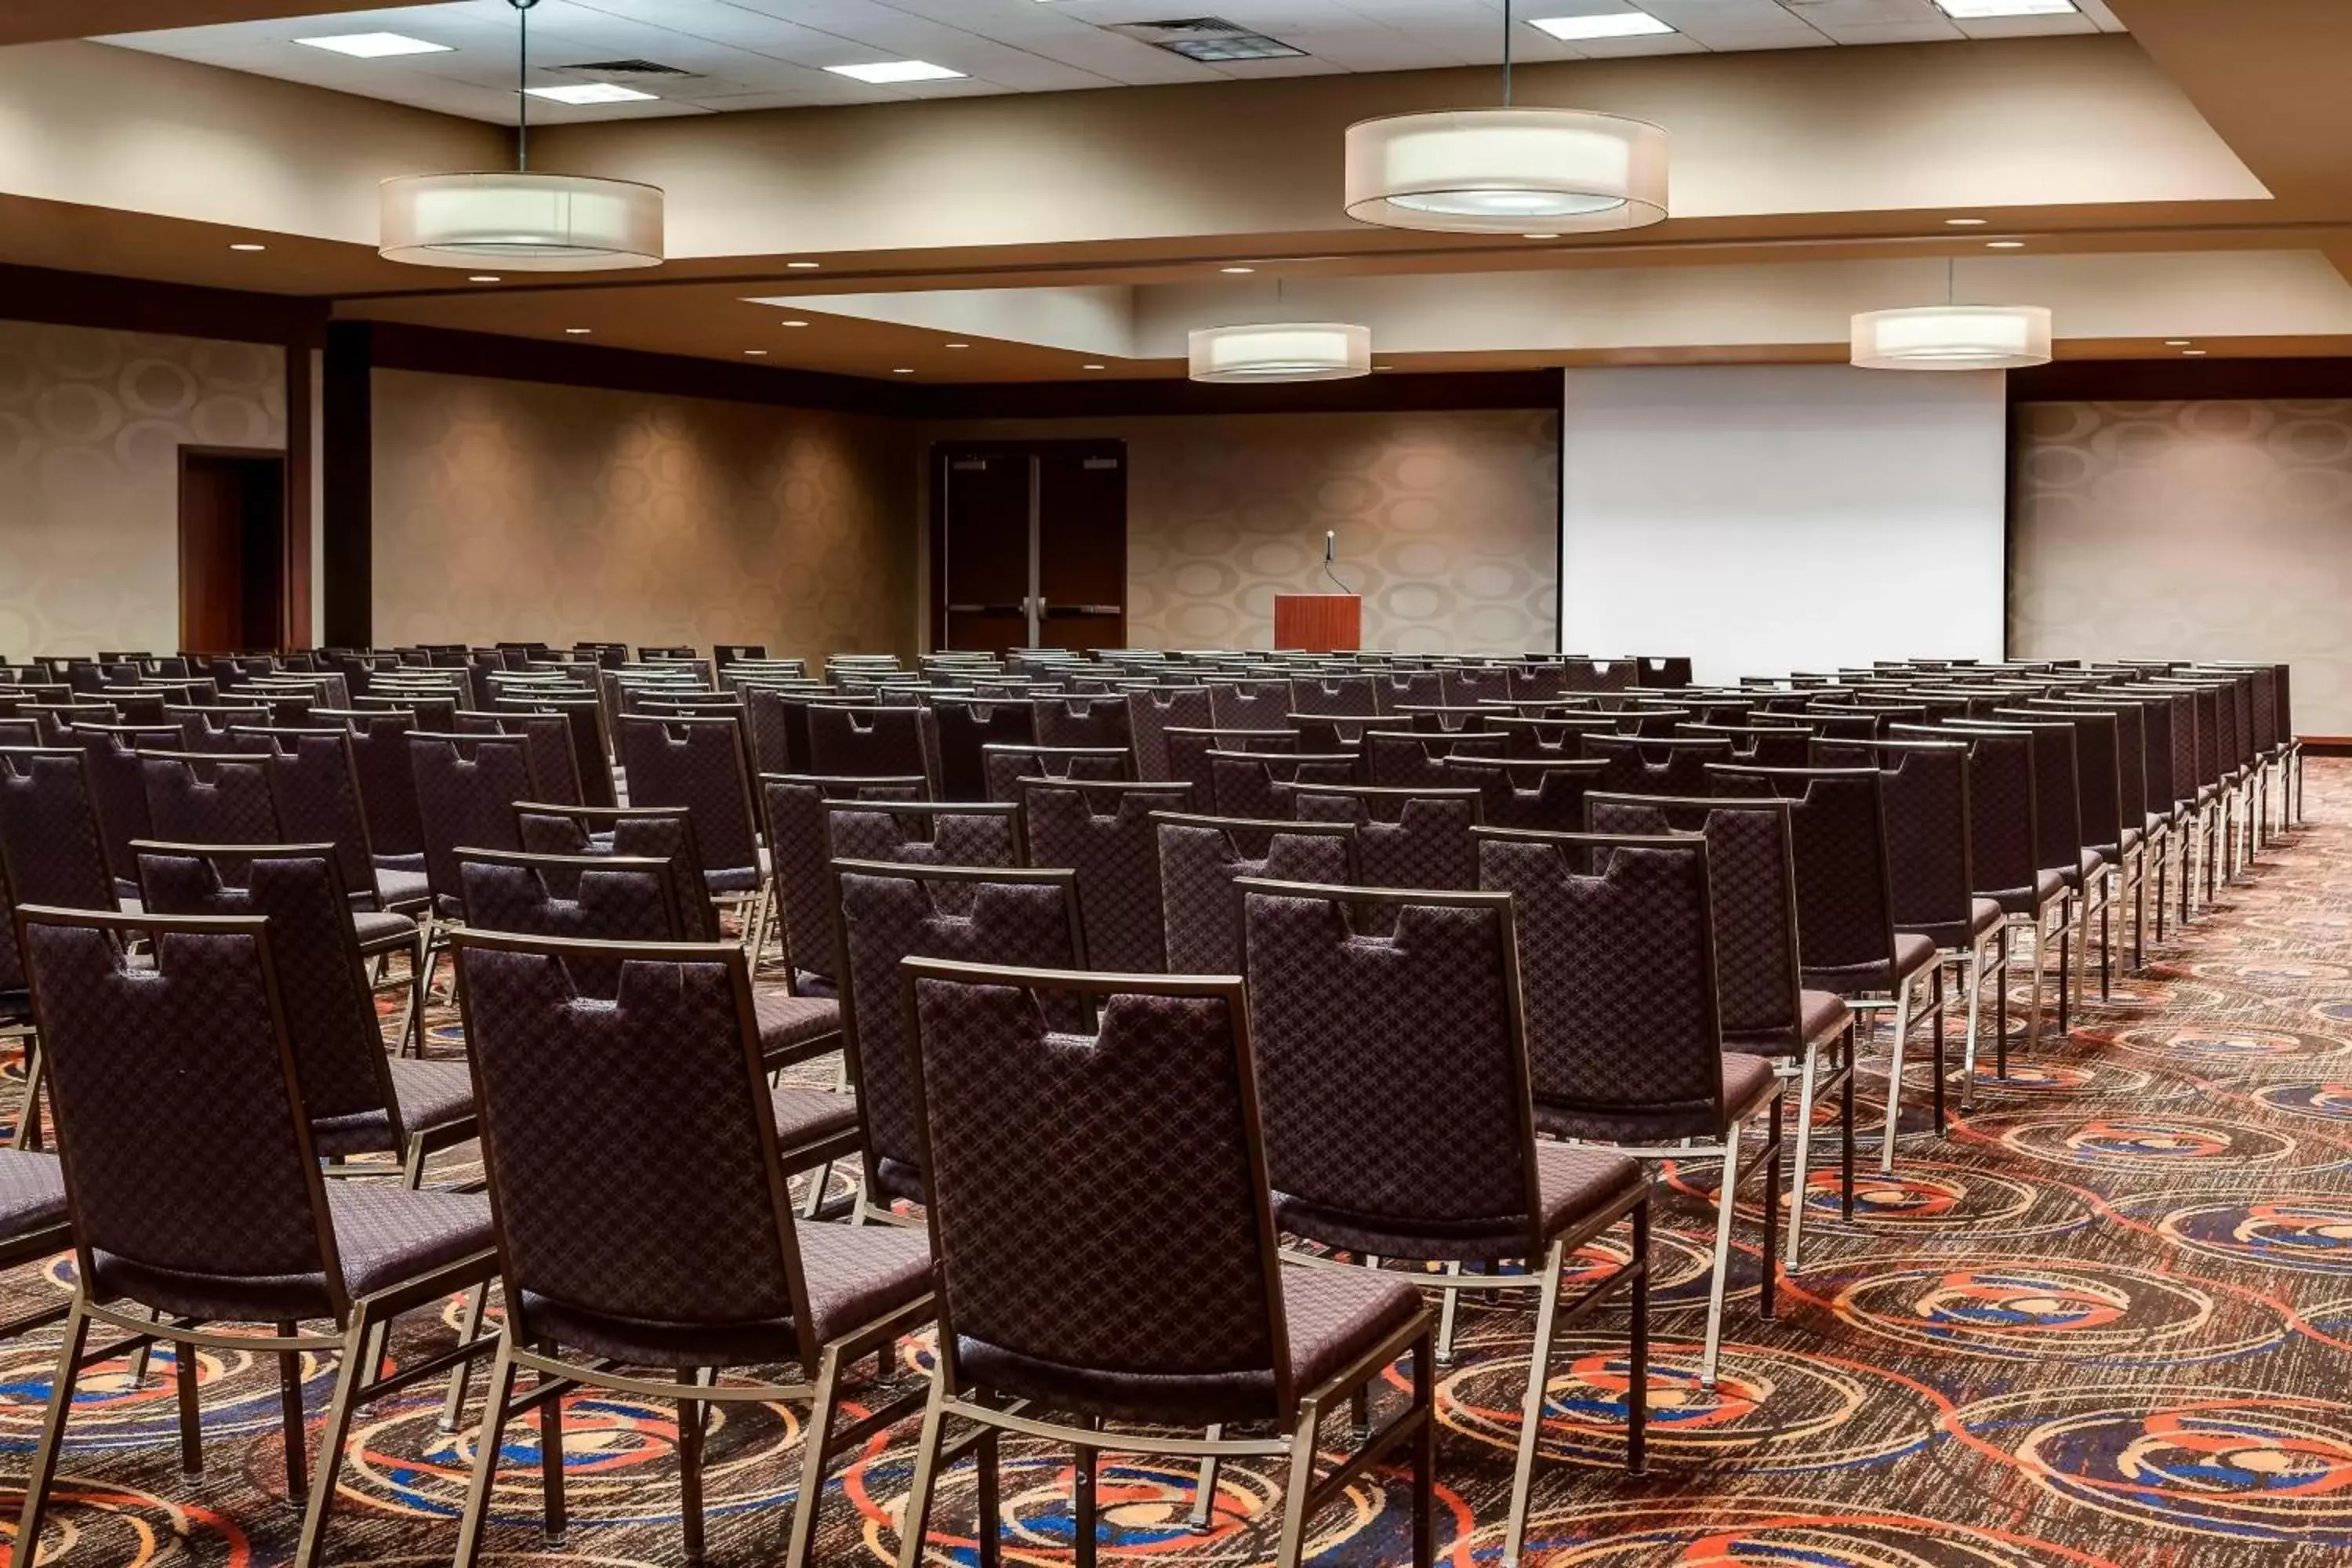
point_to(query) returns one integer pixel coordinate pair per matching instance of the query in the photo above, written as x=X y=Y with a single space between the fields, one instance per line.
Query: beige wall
x=2219 y=529
x=513 y=509
x=91 y=424
x=1448 y=522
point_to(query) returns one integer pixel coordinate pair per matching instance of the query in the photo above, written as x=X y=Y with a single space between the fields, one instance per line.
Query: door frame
x=945 y=451
x=289 y=557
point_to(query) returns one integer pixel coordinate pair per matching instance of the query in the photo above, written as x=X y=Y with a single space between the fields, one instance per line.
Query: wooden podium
x=1320 y=623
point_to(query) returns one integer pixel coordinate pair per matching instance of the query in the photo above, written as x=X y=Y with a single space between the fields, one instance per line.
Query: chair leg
x=990 y=1518
x=819 y=1180
x=1205 y=1490
x=1976 y=1017
x=1445 y=1312
x=53 y=1431
x=2163 y=860
x=2114 y=884
x=816 y=1441
x=28 y=1120
x=915 y=1524
x=689 y=1476
x=420 y=987
x=350 y=1375
x=1523 y=1474
x=1424 y=1455
x=1725 y=1201
x=1299 y=1486
x=290 y=1411
x=2065 y=966
x=1768 y=1261
x=2083 y=942
x=2139 y=907
x=556 y=1518
x=1845 y=1132
x=486 y=1453
x=469 y=1324
x=1086 y=1518
x=1804 y=1149
x=1637 y=1357
x=191 y=1436
x=1893 y=1082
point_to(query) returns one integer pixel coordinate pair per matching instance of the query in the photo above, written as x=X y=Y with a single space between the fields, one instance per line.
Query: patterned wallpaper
x=2219 y=529
x=91 y=424
x=513 y=509
x=1448 y=522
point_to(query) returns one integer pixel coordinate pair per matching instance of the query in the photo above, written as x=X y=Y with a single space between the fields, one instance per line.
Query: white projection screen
x=1764 y=519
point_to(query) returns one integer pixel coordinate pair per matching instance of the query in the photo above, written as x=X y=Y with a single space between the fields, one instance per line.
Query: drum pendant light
x=1508 y=170
x=1952 y=336
x=519 y=220
x=1280 y=351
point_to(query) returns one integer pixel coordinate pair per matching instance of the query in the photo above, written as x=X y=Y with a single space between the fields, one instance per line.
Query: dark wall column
x=347 y=461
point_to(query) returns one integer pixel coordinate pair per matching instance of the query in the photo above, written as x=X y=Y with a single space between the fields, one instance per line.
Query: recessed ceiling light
x=1236 y=269
x=1093 y=367
x=804 y=266
x=1973 y=10
x=796 y=324
x=755 y=352
x=2192 y=354
x=904 y=370
x=374 y=46
x=1381 y=367
x=248 y=245
x=883 y=72
x=1538 y=236
x=579 y=332
x=485 y=278
x=955 y=346
x=1968 y=222
x=2005 y=244
x=1612 y=24
x=590 y=92
x=2178 y=342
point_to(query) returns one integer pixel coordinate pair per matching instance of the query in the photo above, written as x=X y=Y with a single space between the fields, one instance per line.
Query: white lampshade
x=522 y=222
x=1505 y=171
x=1952 y=337
x=1284 y=351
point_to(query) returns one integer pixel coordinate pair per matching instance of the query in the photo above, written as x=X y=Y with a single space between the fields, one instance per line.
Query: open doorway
x=232 y=550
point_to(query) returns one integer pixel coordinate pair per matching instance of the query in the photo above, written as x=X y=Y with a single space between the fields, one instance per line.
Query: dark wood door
x=231 y=551
x=1029 y=545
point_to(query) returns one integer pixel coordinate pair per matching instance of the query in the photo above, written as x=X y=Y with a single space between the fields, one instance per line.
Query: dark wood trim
x=1395 y=391
x=142 y=305
x=490 y=354
x=347 y=400
x=300 y=464
x=2178 y=379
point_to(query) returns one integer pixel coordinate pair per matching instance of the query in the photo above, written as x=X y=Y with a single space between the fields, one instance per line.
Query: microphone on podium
x=1330 y=553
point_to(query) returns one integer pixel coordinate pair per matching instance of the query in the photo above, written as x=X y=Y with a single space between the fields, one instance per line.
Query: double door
x=1029 y=545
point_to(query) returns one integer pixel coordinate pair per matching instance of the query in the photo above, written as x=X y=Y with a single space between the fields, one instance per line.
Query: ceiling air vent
x=1208 y=39
x=624 y=67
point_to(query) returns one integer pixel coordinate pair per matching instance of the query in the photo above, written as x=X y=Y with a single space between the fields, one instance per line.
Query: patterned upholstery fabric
x=590 y=775
x=1647 y=766
x=1467 y=685
x=1929 y=869
x=32 y=1193
x=1618 y=984
x=1541 y=682
x=203 y=1183
x=1244 y=784
x=887 y=919
x=314 y=786
x=50 y=845
x=1553 y=738
x=1151 y=714
x=1401 y=841
x=698 y=763
x=1394 y=761
x=1099 y=720
x=929 y=834
x=634 y=1186
x=643 y=833
x=1549 y=797
x=604 y=904
x=387 y=782
x=1005 y=766
x=1046 y=1148
x=232 y=806
x=1395 y=689
x=1390 y=1076
x=1249 y=704
x=1449 y=718
x=1107 y=837
x=1190 y=752
x=778 y=725
x=788 y=1022
x=800 y=849
x=967 y=726
x=1843 y=901
x=1334 y=694
x=117 y=788
x=206 y=728
x=1201 y=911
x=873 y=742
x=549 y=736
x=465 y=793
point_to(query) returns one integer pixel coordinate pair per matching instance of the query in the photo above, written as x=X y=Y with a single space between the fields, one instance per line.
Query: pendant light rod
x=1506 y=54
x=522 y=83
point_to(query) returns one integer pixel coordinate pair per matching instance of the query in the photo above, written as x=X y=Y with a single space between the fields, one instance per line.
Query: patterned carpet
x=2107 y=1322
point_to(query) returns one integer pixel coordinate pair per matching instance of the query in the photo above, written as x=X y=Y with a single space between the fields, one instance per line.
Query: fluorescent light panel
x=1980 y=10
x=374 y=46
x=591 y=92
x=1609 y=24
x=883 y=72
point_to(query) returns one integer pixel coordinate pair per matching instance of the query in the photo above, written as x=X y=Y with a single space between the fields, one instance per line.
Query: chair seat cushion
x=32 y=1193
x=2047 y=885
x=1574 y=1183
x=788 y=1022
x=1913 y=952
x=1333 y=1316
x=402 y=889
x=431 y=1093
x=381 y=927
x=2081 y=871
x=1821 y=1015
x=1748 y=1082
x=1950 y=936
x=855 y=1274
x=2159 y=823
x=805 y=1116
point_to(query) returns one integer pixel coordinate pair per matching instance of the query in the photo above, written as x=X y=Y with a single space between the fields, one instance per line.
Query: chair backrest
x=1404 y=838
x=1647 y=766
x=118 y=786
x=1094 y=720
x=1005 y=766
x=800 y=849
x=2003 y=817
x=1930 y=864
x=314 y=785
x=1846 y=901
x=1249 y=704
x=966 y=726
x=1417 y=760
x=1190 y=751
x=208 y=800
x=1765 y=745
x=51 y=849
x=886 y=913
x=698 y=763
x=2057 y=787
x=165 y=1192
x=554 y=762
x=1617 y=975
x=331 y=1016
x=1751 y=863
x=1248 y=784
x=1340 y=694
x=1151 y=714
x=1038 y=1148
x=663 y=832
x=2098 y=766
x=591 y=757
x=1467 y=685
x=1518 y=793
x=206 y=728
x=590 y=899
x=925 y=832
x=684 y=1219
x=466 y=789
x=1202 y=858
x=871 y=740
x=387 y=780
x=1392 y=1069
x=1104 y=833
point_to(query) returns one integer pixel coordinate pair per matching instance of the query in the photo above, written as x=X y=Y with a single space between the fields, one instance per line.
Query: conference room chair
x=591 y=754
x=675 y=1249
x=925 y=832
x=1520 y=792
x=118 y=786
x=2163 y=817
x=1647 y=764
x=1624 y=1041
x=1404 y=838
x=1202 y=858
x=1190 y=749
x=885 y=913
x=801 y=852
x=1416 y=758
x=554 y=761
x=1249 y=704
x=966 y=726
x=1151 y=714
x=1004 y=767
x=1469 y=685
x=1758 y=745
x=700 y=763
x=1335 y=694
x=1443 y=717
x=206 y=799
x=1845 y=909
x=848 y=740
x=1073 y=720
x=1537 y=680
x=220 y=1215
x=2109 y=726
x=1395 y=689
x=1248 y=785
x=432 y=707
x=387 y=788
x=1102 y=832
x=1034 y=1153
x=205 y=729
x=466 y=790
x=51 y=853
x=1553 y=736
x=2110 y=830
x=1765 y=1009
x=2064 y=847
